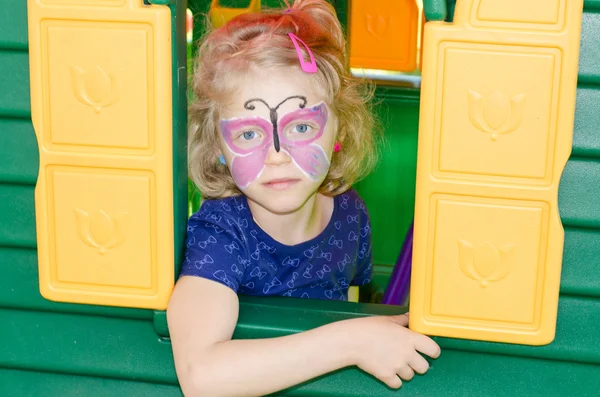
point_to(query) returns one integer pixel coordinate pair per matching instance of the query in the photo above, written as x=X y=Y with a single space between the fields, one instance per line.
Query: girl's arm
x=202 y=315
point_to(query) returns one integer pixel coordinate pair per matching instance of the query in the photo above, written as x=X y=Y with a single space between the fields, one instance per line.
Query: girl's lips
x=280 y=184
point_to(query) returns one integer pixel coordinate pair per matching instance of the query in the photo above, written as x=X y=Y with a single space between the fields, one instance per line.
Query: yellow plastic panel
x=495 y=132
x=219 y=15
x=102 y=112
x=383 y=34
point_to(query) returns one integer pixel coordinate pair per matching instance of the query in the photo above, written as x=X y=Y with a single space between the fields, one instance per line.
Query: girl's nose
x=277 y=158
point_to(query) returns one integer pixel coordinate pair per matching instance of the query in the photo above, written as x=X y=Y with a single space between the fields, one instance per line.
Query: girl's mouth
x=281 y=183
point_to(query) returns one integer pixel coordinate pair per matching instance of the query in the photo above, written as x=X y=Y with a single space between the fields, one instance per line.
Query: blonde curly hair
x=261 y=40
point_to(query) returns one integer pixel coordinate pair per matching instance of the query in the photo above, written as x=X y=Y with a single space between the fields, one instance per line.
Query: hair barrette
x=308 y=67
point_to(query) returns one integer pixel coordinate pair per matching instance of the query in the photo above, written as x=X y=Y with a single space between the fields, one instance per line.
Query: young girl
x=279 y=134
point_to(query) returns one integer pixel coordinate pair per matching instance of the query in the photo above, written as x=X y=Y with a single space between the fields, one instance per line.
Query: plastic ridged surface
x=94 y=346
x=100 y=76
x=18 y=226
x=586 y=140
x=580 y=263
x=18 y=139
x=19 y=289
x=580 y=184
x=13 y=26
x=12 y=102
x=32 y=384
x=589 y=60
x=80 y=344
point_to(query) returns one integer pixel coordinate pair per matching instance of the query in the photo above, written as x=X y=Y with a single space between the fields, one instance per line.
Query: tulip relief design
x=103 y=231
x=485 y=263
x=377 y=25
x=95 y=88
x=496 y=114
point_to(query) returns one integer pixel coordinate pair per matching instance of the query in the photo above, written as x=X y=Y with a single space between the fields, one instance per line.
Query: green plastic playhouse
x=59 y=349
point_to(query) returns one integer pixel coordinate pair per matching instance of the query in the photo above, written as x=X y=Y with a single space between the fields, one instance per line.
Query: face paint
x=249 y=140
x=273 y=114
x=307 y=155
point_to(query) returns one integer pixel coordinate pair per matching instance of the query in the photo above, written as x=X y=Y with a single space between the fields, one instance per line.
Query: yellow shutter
x=101 y=105
x=496 y=124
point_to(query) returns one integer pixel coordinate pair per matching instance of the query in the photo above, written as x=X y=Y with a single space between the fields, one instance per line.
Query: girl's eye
x=248 y=135
x=302 y=128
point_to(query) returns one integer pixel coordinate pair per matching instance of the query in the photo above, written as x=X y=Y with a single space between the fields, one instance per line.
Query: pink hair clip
x=306 y=66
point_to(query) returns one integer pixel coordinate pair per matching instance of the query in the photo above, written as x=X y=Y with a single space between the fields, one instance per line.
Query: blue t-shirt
x=226 y=245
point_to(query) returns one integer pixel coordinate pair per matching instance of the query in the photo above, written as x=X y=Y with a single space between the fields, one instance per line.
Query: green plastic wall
x=54 y=349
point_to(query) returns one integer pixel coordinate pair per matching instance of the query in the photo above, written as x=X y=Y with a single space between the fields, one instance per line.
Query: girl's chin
x=282 y=198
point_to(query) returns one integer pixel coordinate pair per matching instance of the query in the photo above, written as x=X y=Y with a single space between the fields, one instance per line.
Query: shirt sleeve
x=364 y=262
x=213 y=250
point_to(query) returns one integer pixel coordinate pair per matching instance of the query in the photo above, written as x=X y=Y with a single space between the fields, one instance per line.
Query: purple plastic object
x=397 y=289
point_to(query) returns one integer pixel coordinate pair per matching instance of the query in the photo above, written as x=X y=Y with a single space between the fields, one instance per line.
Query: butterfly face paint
x=249 y=140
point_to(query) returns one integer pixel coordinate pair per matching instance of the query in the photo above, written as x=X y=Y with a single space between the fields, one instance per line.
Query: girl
x=279 y=134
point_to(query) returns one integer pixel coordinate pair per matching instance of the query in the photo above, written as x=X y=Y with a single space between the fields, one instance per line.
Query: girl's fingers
x=406 y=373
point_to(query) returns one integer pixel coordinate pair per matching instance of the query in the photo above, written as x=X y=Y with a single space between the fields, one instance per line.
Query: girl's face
x=277 y=136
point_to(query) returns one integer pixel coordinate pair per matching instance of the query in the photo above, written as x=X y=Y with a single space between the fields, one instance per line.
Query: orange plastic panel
x=383 y=34
x=495 y=132
x=101 y=110
x=219 y=16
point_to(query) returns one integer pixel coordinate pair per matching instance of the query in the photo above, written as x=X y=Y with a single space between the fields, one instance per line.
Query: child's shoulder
x=352 y=194
x=351 y=200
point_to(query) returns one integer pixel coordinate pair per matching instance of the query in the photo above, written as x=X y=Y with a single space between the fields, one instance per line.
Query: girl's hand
x=386 y=349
